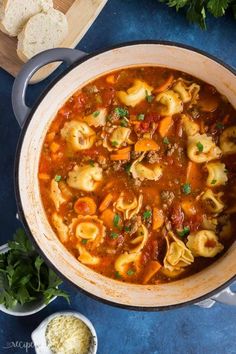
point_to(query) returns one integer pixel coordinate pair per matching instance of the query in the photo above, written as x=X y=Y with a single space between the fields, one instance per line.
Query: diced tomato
x=195 y=222
x=177 y=217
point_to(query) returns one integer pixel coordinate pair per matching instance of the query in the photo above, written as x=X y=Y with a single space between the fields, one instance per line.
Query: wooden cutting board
x=80 y=15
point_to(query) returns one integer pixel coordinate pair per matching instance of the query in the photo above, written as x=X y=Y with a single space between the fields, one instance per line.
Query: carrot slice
x=124 y=150
x=152 y=268
x=188 y=208
x=107 y=217
x=157 y=218
x=165 y=85
x=146 y=144
x=106 y=202
x=54 y=147
x=44 y=176
x=85 y=206
x=117 y=157
x=110 y=79
x=165 y=125
x=193 y=175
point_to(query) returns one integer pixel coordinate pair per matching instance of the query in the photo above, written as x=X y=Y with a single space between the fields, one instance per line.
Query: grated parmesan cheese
x=67 y=334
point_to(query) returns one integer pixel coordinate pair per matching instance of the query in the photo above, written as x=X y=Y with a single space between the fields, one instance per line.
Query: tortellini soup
x=137 y=175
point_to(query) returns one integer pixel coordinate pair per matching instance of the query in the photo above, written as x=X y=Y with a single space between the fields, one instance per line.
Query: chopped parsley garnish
x=84 y=241
x=213 y=181
x=57 y=178
x=141 y=116
x=114 y=143
x=166 y=140
x=199 y=146
x=117 y=275
x=127 y=168
x=186 y=188
x=149 y=98
x=121 y=112
x=91 y=162
x=147 y=214
x=219 y=125
x=127 y=228
x=130 y=272
x=183 y=232
x=116 y=220
x=123 y=123
x=96 y=113
x=113 y=235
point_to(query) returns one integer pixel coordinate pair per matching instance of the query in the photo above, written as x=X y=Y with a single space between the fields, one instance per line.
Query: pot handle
x=67 y=55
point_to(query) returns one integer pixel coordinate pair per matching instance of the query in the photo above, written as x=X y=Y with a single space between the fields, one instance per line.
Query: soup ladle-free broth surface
x=137 y=175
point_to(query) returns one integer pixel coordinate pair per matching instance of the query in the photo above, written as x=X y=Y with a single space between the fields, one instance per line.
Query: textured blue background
x=190 y=330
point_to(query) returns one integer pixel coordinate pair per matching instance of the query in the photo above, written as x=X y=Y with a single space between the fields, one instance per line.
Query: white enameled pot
x=36 y=122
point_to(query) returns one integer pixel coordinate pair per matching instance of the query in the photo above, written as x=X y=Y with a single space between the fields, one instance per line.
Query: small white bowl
x=26 y=309
x=39 y=338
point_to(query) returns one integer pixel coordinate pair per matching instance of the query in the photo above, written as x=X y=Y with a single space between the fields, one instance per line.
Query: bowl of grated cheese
x=66 y=332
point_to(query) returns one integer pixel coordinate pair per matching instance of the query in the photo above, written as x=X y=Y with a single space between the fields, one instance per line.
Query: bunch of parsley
x=196 y=10
x=24 y=276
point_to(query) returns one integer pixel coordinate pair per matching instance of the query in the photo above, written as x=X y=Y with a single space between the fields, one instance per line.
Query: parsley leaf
x=117 y=275
x=123 y=122
x=121 y=112
x=199 y=146
x=130 y=272
x=96 y=114
x=57 y=178
x=114 y=143
x=147 y=214
x=166 y=140
x=91 y=162
x=127 y=228
x=149 y=98
x=127 y=168
x=116 y=220
x=183 y=232
x=113 y=235
x=84 y=241
x=213 y=181
x=219 y=125
x=141 y=116
x=186 y=188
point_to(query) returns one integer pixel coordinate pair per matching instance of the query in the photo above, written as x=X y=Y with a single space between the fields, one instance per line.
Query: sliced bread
x=15 y=13
x=42 y=31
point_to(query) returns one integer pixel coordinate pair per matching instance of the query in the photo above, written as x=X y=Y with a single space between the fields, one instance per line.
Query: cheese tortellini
x=61 y=227
x=187 y=91
x=79 y=135
x=190 y=127
x=213 y=201
x=85 y=178
x=171 y=103
x=135 y=94
x=217 y=175
x=152 y=172
x=201 y=148
x=204 y=243
x=123 y=261
x=97 y=118
x=119 y=136
x=129 y=208
x=228 y=140
x=178 y=256
x=57 y=195
x=140 y=240
x=86 y=257
x=90 y=228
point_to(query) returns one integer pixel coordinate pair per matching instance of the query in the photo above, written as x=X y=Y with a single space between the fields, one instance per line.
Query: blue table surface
x=187 y=330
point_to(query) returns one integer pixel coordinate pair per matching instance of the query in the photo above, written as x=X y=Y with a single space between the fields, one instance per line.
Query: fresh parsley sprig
x=24 y=276
x=197 y=10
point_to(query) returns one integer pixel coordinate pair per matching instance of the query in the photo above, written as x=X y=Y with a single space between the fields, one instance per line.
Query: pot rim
x=17 y=161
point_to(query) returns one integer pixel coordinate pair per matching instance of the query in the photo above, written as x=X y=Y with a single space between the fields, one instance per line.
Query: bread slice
x=42 y=31
x=15 y=13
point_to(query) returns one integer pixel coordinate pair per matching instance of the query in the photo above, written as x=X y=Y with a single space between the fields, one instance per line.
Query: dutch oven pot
x=35 y=123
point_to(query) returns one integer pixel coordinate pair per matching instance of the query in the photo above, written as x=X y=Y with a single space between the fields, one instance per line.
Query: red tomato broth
x=116 y=177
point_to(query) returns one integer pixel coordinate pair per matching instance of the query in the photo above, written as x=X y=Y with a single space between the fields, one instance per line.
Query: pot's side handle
x=226 y=296
x=67 y=55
